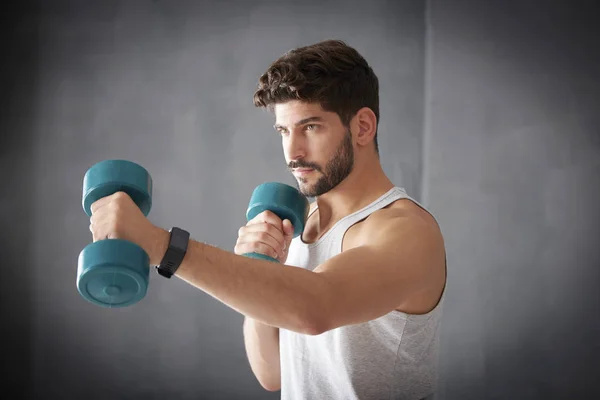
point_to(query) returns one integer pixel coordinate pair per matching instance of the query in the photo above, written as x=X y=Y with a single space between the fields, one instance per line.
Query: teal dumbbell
x=284 y=201
x=113 y=272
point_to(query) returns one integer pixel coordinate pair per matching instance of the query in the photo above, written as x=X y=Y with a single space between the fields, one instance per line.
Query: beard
x=336 y=170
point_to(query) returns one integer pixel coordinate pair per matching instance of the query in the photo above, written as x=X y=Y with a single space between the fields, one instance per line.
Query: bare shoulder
x=400 y=217
x=413 y=237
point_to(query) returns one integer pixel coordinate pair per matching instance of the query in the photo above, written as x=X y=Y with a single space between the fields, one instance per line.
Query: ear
x=364 y=124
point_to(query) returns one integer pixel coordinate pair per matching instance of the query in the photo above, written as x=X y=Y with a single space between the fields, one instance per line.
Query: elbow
x=313 y=315
x=269 y=382
x=270 y=386
x=314 y=324
x=313 y=328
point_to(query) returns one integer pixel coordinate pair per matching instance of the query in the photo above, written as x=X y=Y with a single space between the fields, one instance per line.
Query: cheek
x=286 y=152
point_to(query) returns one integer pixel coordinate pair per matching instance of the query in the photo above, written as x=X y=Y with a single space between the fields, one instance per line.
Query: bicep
x=372 y=279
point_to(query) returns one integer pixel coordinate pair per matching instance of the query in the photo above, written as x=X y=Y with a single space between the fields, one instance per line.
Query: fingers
x=99 y=204
x=268 y=217
x=105 y=214
x=95 y=206
x=101 y=226
x=263 y=234
x=117 y=216
x=256 y=247
x=267 y=233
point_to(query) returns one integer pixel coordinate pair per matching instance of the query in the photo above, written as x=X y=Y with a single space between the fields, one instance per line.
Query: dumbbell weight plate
x=111 y=176
x=113 y=273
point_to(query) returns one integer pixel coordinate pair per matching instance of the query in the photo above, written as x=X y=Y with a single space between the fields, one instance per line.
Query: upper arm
x=396 y=260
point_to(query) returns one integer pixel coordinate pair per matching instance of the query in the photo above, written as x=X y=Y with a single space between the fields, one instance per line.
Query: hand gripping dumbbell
x=284 y=201
x=114 y=272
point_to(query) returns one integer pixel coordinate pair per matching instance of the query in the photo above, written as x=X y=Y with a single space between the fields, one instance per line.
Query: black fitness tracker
x=173 y=257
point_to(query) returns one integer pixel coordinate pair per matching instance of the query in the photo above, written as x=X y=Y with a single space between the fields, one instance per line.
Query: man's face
x=317 y=146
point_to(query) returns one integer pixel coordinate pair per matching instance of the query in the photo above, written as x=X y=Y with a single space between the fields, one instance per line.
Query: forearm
x=262 y=348
x=280 y=296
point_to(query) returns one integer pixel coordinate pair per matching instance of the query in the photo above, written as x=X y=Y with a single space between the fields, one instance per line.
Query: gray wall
x=17 y=103
x=512 y=170
x=168 y=85
x=497 y=102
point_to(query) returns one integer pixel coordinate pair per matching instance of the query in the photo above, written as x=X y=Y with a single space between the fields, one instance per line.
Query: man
x=354 y=311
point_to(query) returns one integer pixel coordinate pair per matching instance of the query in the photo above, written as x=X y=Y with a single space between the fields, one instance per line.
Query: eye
x=311 y=127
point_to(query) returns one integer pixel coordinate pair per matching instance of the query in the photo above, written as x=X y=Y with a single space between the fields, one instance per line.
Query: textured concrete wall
x=512 y=170
x=168 y=85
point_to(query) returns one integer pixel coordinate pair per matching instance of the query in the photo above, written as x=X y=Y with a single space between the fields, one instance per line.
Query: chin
x=305 y=188
x=309 y=191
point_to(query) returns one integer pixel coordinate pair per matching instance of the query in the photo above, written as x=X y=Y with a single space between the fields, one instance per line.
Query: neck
x=364 y=185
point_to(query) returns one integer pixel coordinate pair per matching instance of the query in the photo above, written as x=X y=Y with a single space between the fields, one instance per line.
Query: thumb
x=288 y=229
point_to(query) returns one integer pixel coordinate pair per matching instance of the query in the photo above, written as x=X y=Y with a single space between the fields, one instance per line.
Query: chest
x=351 y=237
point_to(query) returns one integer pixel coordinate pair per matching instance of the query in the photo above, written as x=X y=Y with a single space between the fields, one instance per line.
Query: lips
x=302 y=171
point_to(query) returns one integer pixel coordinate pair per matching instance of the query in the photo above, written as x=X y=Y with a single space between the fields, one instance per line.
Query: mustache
x=303 y=164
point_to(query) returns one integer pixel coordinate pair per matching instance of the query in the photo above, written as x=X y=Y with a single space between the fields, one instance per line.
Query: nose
x=295 y=147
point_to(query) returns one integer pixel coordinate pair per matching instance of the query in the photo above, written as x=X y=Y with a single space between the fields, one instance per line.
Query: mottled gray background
x=489 y=116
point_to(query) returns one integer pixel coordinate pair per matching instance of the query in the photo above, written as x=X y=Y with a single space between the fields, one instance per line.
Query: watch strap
x=178 y=243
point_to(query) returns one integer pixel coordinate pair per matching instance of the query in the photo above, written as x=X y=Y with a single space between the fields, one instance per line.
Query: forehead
x=293 y=111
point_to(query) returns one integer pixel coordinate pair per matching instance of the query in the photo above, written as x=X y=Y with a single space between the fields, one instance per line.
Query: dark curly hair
x=330 y=73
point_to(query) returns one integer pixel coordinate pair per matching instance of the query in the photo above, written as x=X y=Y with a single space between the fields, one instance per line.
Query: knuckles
x=120 y=197
x=115 y=202
x=268 y=217
x=119 y=202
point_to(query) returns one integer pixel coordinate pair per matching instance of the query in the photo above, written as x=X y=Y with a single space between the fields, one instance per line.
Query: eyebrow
x=301 y=122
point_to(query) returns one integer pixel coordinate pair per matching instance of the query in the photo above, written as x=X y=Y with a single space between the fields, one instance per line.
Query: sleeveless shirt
x=392 y=357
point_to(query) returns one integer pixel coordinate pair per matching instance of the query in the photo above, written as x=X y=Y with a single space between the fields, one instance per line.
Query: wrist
x=159 y=246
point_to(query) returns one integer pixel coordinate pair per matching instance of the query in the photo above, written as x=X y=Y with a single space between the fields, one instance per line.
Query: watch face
x=179 y=239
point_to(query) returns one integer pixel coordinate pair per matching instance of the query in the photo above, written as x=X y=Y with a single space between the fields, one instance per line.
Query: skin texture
x=393 y=260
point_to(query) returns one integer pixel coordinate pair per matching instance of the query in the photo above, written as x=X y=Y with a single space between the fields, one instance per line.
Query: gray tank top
x=391 y=357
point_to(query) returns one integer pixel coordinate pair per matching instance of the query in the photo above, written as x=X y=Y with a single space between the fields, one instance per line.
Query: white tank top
x=391 y=357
